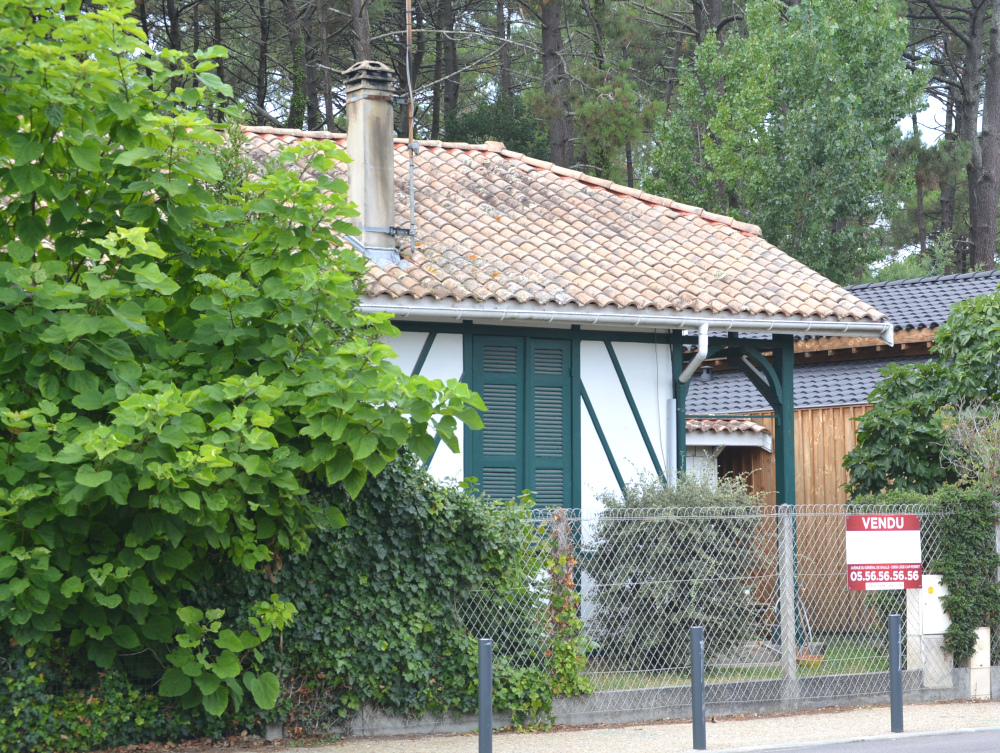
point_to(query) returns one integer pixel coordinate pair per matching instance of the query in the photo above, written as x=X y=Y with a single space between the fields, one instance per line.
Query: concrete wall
x=723 y=698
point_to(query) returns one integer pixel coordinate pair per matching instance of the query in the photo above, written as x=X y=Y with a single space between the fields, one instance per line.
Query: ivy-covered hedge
x=378 y=602
x=967 y=560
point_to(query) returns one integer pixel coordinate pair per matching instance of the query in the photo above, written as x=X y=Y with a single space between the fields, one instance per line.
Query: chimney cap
x=372 y=71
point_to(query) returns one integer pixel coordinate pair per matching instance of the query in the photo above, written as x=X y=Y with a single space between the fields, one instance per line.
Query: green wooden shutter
x=549 y=446
x=498 y=449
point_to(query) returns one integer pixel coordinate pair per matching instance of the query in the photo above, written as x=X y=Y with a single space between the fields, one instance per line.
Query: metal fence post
x=698 y=687
x=786 y=595
x=895 y=675
x=485 y=695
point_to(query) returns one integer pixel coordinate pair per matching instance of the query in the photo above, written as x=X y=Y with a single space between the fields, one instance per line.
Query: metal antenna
x=411 y=146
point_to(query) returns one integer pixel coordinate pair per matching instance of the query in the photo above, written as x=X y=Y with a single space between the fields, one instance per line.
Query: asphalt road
x=986 y=741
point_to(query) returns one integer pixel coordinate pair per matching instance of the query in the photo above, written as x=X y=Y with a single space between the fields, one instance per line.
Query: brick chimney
x=370 y=175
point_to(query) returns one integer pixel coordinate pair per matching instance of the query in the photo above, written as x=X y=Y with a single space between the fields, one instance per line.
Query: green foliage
x=789 y=127
x=378 y=600
x=505 y=119
x=648 y=551
x=182 y=350
x=608 y=112
x=902 y=438
x=208 y=662
x=39 y=714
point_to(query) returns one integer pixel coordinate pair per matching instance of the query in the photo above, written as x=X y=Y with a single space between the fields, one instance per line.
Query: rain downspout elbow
x=700 y=356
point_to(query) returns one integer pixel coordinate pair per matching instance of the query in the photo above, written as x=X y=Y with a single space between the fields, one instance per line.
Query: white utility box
x=979 y=666
x=926 y=623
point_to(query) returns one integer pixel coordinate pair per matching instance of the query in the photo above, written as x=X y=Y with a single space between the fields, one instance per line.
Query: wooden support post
x=784 y=420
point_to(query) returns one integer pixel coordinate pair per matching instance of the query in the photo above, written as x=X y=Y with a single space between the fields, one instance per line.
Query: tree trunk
x=324 y=59
x=196 y=28
x=173 y=25
x=141 y=10
x=313 y=117
x=217 y=37
x=984 y=192
x=297 y=55
x=919 y=178
x=971 y=90
x=436 y=92
x=449 y=46
x=261 y=87
x=554 y=82
x=629 y=170
x=362 y=31
x=948 y=186
x=673 y=73
x=503 y=35
x=707 y=17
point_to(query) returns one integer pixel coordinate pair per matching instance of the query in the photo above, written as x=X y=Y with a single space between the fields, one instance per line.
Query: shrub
x=43 y=710
x=665 y=557
x=917 y=434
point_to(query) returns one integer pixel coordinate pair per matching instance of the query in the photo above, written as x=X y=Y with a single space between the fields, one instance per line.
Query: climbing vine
x=569 y=646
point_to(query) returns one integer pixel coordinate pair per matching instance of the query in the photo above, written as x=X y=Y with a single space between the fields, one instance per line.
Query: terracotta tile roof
x=724 y=425
x=495 y=225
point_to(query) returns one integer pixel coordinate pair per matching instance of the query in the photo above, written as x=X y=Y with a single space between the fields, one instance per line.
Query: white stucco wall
x=647 y=371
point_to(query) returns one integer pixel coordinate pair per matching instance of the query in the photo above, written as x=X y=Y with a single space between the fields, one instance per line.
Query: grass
x=844 y=654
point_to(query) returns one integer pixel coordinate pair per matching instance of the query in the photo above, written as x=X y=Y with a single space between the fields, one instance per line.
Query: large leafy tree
x=181 y=350
x=791 y=126
x=903 y=439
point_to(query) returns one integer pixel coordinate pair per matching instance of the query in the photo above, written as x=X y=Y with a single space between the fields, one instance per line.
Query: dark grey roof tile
x=924 y=301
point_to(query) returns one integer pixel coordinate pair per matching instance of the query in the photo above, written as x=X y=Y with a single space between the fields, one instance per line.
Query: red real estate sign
x=883 y=552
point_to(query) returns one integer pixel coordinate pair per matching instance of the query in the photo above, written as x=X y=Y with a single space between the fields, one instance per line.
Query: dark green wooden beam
x=604 y=439
x=635 y=409
x=784 y=420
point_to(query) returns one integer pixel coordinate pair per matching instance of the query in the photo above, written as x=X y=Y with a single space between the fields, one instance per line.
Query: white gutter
x=593 y=316
x=700 y=356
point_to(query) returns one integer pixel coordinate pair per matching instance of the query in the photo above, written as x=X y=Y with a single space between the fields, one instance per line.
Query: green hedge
x=379 y=621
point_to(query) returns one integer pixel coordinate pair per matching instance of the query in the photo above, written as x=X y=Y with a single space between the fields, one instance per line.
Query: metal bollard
x=698 y=687
x=485 y=695
x=895 y=675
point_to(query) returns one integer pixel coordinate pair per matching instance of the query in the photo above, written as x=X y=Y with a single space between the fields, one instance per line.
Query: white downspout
x=700 y=356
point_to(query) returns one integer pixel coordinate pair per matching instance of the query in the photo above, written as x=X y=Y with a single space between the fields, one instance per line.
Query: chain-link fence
x=769 y=585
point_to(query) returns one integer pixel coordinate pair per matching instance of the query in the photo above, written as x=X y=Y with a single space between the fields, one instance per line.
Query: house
x=567 y=301
x=833 y=379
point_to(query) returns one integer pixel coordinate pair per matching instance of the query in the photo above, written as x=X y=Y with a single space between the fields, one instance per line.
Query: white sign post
x=883 y=552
